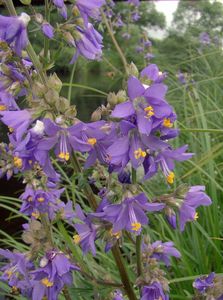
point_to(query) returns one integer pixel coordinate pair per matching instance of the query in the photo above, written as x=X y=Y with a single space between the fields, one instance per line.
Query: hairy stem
x=139 y=254
x=32 y=54
x=47 y=17
x=118 y=48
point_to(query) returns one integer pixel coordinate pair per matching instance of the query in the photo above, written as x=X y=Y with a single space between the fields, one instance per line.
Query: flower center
x=139 y=153
x=17 y=162
x=11 y=129
x=196 y=216
x=14 y=290
x=76 y=239
x=149 y=111
x=64 y=155
x=35 y=214
x=170 y=177
x=40 y=199
x=92 y=141
x=9 y=273
x=45 y=281
x=136 y=226
x=2 y=107
x=167 y=123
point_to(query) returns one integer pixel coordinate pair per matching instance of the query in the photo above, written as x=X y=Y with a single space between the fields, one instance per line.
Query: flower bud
x=75 y=11
x=39 y=18
x=96 y=115
x=54 y=82
x=132 y=70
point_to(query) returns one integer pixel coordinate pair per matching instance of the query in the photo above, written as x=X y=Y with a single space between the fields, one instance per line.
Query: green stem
x=71 y=82
x=123 y=273
x=139 y=254
x=47 y=16
x=85 y=87
x=202 y=130
x=119 y=50
x=32 y=54
x=134 y=179
x=101 y=282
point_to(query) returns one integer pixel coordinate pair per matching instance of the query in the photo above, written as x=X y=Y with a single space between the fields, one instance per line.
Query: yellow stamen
x=76 y=239
x=170 y=178
x=167 y=123
x=196 y=216
x=149 y=111
x=136 y=226
x=92 y=141
x=41 y=199
x=65 y=156
x=35 y=215
x=9 y=273
x=30 y=199
x=45 y=281
x=2 y=107
x=11 y=129
x=17 y=162
x=139 y=153
x=117 y=235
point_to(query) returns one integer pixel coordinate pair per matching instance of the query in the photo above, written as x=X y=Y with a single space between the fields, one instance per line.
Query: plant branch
x=139 y=254
x=71 y=81
x=119 y=50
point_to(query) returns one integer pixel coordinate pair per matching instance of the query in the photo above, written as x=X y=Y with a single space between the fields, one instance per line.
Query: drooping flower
x=86 y=232
x=89 y=8
x=130 y=214
x=54 y=272
x=153 y=291
x=118 y=295
x=204 y=282
x=47 y=30
x=181 y=77
x=194 y=198
x=13 y=30
x=163 y=251
x=61 y=7
x=205 y=38
x=88 y=44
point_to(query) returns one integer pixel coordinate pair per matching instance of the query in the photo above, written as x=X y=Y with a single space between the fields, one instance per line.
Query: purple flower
x=47 y=30
x=89 y=8
x=204 y=38
x=163 y=251
x=165 y=159
x=89 y=43
x=135 y=16
x=61 y=138
x=195 y=197
x=149 y=56
x=17 y=121
x=130 y=214
x=118 y=295
x=61 y=7
x=54 y=272
x=16 y=272
x=147 y=103
x=153 y=291
x=153 y=73
x=7 y=101
x=86 y=232
x=41 y=201
x=181 y=77
x=205 y=282
x=13 y=31
x=126 y=35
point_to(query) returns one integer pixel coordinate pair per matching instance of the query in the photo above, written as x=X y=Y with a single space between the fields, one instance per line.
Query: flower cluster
x=48 y=144
x=210 y=287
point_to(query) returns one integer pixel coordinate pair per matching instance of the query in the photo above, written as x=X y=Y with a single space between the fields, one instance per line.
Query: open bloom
x=16 y=272
x=205 y=282
x=130 y=214
x=163 y=251
x=54 y=272
x=13 y=31
x=195 y=197
x=153 y=291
